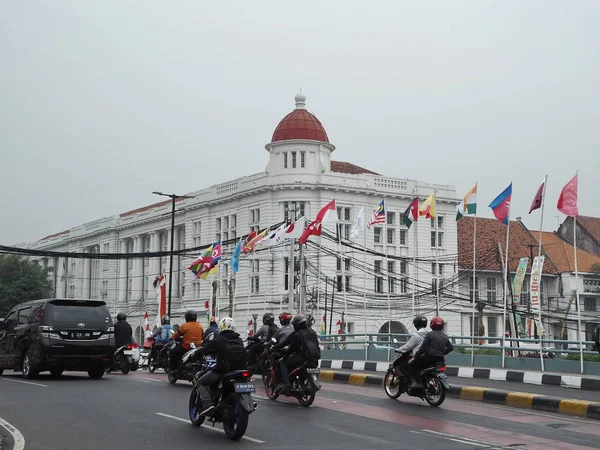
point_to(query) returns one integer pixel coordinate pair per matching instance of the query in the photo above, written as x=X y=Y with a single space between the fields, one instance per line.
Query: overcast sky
x=102 y=103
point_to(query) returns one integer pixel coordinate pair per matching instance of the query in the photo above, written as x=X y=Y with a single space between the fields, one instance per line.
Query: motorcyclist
x=228 y=349
x=433 y=349
x=212 y=331
x=191 y=332
x=264 y=334
x=162 y=335
x=412 y=346
x=123 y=331
x=285 y=329
x=302 y=343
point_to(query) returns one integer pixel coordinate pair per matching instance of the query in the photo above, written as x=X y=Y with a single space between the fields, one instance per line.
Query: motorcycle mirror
x=273 y=340
x=395 y=341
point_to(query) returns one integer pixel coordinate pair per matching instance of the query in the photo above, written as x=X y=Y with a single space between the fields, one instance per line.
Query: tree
x=595 y=268
x=22 y=280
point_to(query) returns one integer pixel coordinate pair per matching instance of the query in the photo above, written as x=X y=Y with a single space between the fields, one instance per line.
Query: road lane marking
x=147 y=379
x=25 y=382
x=18 y=439
x=477 y=444
x=372 y=439
x=209 y=427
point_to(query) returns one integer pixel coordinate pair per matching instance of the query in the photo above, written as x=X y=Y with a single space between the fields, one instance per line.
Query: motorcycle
x=233 y=400
x=303 y=379
x=126 y=358
x=262 y=360
x=188 y=367
x=158 y=358
x=434 y=383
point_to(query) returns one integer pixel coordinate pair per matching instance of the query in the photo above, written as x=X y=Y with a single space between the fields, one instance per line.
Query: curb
x=537 y=378
x=570 y=407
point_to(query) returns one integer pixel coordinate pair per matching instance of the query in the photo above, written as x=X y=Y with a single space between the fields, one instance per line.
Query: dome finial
x=300 y=100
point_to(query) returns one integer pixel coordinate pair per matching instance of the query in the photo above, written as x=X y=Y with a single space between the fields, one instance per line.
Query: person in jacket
x=303 y=344
x=230 y=354
x=433 y=349
x=191 y=332
x=413 y=345
x=264 y=334
x=161 y=336
x=123 y=331
x=211 y=332
x=285 y=329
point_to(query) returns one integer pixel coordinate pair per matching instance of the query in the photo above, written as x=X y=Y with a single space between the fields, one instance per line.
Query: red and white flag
x=314 y=229
x=567 y=202
x=161 y=287
x=537 y=200
x=328 y=213
x=293 y=230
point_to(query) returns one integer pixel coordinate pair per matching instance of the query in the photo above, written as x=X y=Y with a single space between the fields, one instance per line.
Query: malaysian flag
x=378 y=215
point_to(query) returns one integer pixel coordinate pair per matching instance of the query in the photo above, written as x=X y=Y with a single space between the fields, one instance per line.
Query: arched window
x=396 y=330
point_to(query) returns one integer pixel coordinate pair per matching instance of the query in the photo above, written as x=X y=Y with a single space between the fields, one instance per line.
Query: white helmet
x=227 y=323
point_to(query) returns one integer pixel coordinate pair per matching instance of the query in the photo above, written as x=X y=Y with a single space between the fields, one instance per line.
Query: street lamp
x=174 y=198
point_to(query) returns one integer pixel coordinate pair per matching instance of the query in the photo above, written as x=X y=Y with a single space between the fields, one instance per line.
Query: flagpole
x=437 y=258
x=540 y=326
x=505 y=289
x=416 y=254
x=248 y=300
x=218 y=290
x=387 y=268
x=365 y=289
x=474 y=279
x=414 y=258
x=343 y=266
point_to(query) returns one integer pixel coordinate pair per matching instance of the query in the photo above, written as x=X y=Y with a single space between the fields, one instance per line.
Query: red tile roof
x=346 y=167
x=490 y=233
x=149 y=207
x=55 y=235
x=562 y=255
x=300 y=124
x=591 y=225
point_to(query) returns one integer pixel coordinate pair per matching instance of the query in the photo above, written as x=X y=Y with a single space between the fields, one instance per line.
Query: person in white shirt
x=413 y=345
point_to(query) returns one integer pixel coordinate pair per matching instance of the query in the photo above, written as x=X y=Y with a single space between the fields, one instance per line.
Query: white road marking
x=25 y=382
x=373 y=439
x=19 y=440
x=209 y=427
x=468 y=442
x=147 y=379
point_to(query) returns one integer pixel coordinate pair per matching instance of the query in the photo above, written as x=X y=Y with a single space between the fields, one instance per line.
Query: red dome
x=300 y=124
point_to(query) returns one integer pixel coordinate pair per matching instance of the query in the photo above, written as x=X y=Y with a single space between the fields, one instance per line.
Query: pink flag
x=567 y=202
x=537 y=200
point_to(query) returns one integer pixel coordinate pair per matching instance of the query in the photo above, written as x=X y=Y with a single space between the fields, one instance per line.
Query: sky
x=102 y=103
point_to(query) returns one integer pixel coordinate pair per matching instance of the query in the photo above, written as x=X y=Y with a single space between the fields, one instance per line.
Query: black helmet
x=191 y=316
x=299 y=322
x=121 y=316
x=420 y=322
x=165 y=320
x=268 y=319
x=284 y=318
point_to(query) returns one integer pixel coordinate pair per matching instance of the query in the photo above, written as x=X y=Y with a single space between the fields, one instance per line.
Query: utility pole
x=174 y=198
x=291 y=262
x=302 y=306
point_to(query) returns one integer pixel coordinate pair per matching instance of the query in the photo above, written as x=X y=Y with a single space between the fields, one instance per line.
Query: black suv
x=57 y=335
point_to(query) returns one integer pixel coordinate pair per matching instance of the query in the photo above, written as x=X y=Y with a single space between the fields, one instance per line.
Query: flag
x=460 y=210
x=567 y=202
x=412 y=213
x=161 y=286
x=323 y=326
x=328 y=213
x=207 y=308
x=537 y=200
x=501 y=205
x=235 y=258
x=314 y=229
x=358 y=224
x=427 y=209
x=378 y=215
x=273 y=238
x=204 y=258
x=217 y=252
x=249 y=238
x=207 y=262
x=294 y=230
x=205 y=273
x=146 y=322
x=251 y=244
x=470 y=201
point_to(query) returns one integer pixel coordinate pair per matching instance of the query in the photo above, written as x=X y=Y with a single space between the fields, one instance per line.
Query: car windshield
x=73 y=313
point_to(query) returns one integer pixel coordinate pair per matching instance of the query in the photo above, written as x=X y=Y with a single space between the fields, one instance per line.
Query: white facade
x=297 y=171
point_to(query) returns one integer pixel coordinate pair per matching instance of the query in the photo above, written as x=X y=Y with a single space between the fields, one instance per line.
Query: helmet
x=268 y=319
x=191 y=316
x=299 y=322
x=284 y=318
x=227 y=323
x=165 y=320
x=420 y=322
x=213 y=320
x=437 y=323
x=121 y=316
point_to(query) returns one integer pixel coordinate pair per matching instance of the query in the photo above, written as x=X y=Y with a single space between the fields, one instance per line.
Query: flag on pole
x=358 y=224
x=328 y=213
x=161 y=286
x=412 y=213
x=234 y=262
x=567 y=202
x=537 y=200
x=501 y=205
x=251 y=244
x=249 y=238
x=314 y=229
x=206 y=264
x=294 y=230
x=460 y=209
x=470 y=201
x=378 y=215
x=207 y=309
x=273 y=238
x=427 y=209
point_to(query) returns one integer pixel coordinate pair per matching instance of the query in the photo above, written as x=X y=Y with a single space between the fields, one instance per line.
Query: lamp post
x=174 y=198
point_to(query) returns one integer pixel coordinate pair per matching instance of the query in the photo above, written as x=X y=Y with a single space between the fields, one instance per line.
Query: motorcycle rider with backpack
x=303 y=344
x=228 y=349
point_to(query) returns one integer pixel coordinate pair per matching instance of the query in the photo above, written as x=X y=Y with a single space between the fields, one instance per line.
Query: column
x=123 y=275
x=136 y=289
x=155 y=247
x=86 y=275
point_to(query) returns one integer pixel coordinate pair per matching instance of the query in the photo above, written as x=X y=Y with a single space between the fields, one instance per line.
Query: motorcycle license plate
x=244 y=388
x=316 y=370
x=128 y=352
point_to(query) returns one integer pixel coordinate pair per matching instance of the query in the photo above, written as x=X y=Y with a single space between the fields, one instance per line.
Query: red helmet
x=285 y=318
x=437 y=323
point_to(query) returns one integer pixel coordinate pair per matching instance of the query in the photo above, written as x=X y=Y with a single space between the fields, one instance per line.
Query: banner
x=518 y=280
x=536 y=281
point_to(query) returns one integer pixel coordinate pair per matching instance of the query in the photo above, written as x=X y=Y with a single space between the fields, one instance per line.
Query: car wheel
x=96 y=372
x=26 y=369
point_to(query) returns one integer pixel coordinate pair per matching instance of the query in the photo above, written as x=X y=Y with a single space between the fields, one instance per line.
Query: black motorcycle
x=233 y=400
x=262 y=359
x=159 y=357
x=188 y=366
x=434 y=382
x=125 y=358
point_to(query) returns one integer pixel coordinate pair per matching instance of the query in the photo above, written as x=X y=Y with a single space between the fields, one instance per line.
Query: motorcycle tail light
x=245 y=374
x=128 y=347
x=442 y=368
x=135 y=345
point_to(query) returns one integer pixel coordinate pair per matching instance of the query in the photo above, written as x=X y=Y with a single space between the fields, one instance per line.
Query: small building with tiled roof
x=588 y=233
x=300 y=177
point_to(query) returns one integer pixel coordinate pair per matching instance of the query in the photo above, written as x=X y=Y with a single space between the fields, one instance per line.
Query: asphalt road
x=143 y=411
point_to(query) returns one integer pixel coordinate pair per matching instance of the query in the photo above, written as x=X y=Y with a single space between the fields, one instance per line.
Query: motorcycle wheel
x=152 y=365
x=435 y=394
x=391 y=385
x=308 y=395
x=235 y=422
x=195 y=409
x=271 y=385
x=135 y=366
x=125 y=367
x=172 y=378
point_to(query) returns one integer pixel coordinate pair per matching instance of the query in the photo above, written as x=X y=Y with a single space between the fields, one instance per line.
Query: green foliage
x=478 y=351
x=588 y=358
x=21 y=280
x=595 y=268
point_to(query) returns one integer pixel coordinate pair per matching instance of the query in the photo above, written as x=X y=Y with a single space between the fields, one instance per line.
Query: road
x=144 y=411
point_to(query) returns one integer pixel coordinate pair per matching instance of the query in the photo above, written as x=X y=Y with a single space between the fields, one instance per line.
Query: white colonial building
x=300 y=176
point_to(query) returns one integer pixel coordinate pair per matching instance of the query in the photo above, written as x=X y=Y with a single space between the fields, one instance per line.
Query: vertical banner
x=535 y=289
x=518 y=280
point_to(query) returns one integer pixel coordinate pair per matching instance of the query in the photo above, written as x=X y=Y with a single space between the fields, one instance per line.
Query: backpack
x=236 y=358
x=310 y=345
